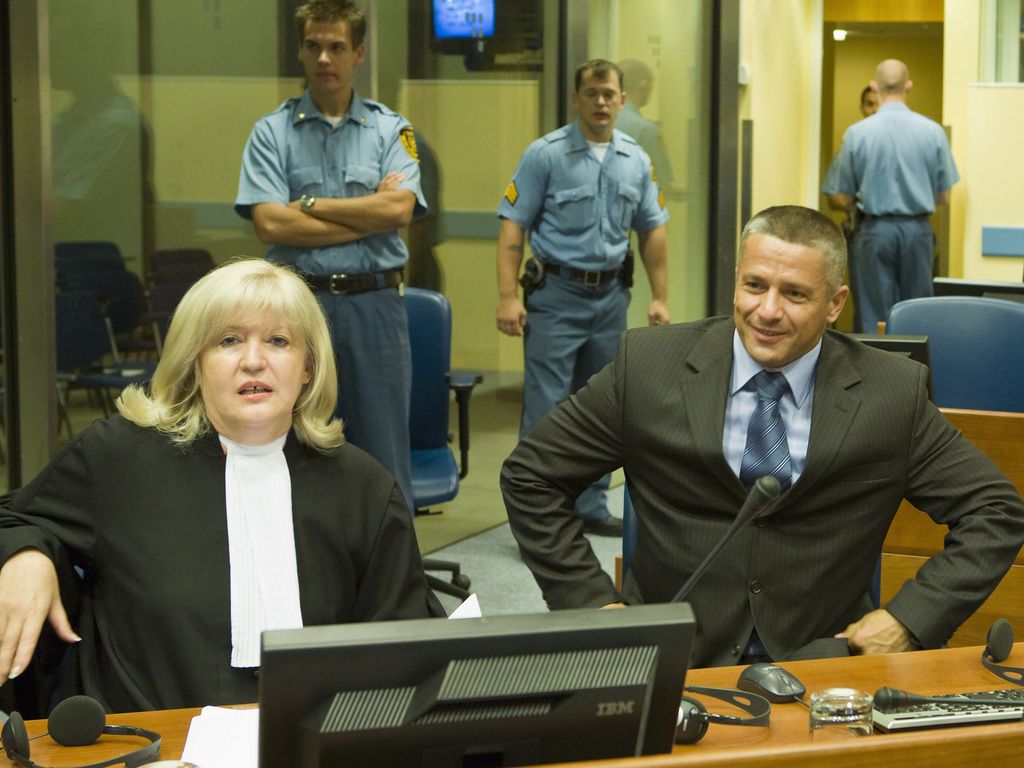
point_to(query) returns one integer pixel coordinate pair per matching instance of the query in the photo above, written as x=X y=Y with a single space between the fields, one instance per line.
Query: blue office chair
x=976 y=348
x=84 y=353
x=435 y=474
x=122 y=301
x=629 y=534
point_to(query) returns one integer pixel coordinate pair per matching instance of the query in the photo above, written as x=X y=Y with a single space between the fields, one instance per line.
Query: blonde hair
x=238 y=290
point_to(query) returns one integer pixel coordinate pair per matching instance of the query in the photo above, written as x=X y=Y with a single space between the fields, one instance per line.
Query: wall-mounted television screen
x=463 y=19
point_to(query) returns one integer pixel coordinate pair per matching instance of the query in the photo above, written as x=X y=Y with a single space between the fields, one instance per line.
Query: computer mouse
x=771 y=681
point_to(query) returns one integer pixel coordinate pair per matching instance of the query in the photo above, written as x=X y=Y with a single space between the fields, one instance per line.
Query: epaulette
x=558 y=135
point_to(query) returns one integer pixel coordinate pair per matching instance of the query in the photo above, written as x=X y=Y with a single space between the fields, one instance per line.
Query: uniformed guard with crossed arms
x=328 y=179
x=579 y=191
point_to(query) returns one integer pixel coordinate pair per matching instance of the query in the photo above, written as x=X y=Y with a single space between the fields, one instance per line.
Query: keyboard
x=958 y=711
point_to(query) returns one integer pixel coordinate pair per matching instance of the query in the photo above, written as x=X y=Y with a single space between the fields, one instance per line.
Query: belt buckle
x=592 y=279
x=334 y=284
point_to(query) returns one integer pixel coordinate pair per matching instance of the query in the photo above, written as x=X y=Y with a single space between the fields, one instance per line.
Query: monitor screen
x=495 y=691
x=995 y=289
x=463 y=19
x=914 y=347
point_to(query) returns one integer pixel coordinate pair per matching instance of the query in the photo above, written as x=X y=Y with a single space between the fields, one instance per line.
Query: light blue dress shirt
x=794 y=407
x=578 y=210
x=895 y=162
x=295 y=151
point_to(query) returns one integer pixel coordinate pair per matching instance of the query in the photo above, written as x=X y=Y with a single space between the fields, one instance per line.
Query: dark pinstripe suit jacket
x=802 y=573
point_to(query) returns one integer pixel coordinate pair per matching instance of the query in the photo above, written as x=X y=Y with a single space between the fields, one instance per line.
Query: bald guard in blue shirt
x=894 y=167
x=579 y=191
x=328 y=179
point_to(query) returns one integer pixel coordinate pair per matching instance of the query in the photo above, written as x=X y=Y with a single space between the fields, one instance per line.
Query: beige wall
x=960 y=68
x=477 y=157
x=994 y=116
x=781 y=47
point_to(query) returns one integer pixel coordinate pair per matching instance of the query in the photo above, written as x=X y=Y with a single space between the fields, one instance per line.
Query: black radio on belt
x=626 y=273
x=533 y=276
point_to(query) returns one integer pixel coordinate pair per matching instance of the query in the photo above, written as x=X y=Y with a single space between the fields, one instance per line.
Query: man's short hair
x=864 y=93
x=330 y=11
x=600 y=69
x=803 y=226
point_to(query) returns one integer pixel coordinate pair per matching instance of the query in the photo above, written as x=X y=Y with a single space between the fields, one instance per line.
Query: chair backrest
x=628 y=530
x=84 y=256
x=976 y=348
x=179 y=265
x=82 y=338
x=120 y=294
x=164 y=256
x=430 y=339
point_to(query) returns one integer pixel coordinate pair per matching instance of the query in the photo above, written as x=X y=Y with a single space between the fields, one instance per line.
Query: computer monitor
x=995 y=289
x=494 y=691
x=914 y=347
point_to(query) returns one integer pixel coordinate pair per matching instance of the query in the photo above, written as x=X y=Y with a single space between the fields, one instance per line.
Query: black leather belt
x=897 y=216
x=591 y=279
x=342 y=284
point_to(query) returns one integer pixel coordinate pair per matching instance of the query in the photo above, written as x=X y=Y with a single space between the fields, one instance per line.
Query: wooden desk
x=784 y=744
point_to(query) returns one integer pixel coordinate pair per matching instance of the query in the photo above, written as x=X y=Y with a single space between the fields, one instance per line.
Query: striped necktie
x=767 y=450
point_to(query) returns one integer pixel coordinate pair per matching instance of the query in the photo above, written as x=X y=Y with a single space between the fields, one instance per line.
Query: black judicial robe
x=145 y=522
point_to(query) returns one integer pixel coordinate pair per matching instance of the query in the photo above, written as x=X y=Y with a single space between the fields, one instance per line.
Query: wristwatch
x=306 y=202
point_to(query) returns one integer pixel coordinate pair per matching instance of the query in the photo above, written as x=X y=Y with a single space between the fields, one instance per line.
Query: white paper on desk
x=223 y=738
x=468 y=609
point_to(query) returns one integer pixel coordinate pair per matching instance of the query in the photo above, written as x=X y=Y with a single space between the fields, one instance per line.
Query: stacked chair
x=172 y=271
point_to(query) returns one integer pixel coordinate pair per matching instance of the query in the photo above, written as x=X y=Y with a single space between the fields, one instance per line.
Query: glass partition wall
x=149 y=104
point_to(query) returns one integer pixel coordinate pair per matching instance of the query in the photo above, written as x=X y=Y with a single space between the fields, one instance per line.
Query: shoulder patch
x=511 y=193
x=408 y=139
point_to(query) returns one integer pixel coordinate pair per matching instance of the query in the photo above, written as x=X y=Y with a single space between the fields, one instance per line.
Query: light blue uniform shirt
x=579 y=211
x=895 y=162
x=295 y=151
x=794 y=407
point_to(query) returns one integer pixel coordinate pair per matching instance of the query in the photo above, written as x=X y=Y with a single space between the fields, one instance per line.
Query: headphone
x=998 y=645
x=694 y=719
x=77 y=721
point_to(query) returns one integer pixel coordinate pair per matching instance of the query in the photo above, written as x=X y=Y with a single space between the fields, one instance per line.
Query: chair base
x=459 y=584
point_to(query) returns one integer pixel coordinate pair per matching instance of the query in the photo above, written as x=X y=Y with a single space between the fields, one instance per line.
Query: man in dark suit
x=848 y=430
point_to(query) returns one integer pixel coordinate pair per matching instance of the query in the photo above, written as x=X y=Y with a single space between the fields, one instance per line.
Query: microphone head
x=769 y=486
x=886 y=699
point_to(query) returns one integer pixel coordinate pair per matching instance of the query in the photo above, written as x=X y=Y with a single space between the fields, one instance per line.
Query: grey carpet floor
x=501 y=580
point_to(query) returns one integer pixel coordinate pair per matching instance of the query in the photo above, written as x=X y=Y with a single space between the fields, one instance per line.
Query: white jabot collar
x=261 y=546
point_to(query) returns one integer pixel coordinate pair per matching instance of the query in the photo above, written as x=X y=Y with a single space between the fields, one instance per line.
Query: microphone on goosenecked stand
x=762 y=494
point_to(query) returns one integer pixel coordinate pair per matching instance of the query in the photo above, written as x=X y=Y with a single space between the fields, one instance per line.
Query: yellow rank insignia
x=511 y=193
x=661 y=198
x=408 y=139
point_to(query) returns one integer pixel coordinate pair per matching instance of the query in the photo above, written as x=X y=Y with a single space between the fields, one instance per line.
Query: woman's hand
x=29 y=595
